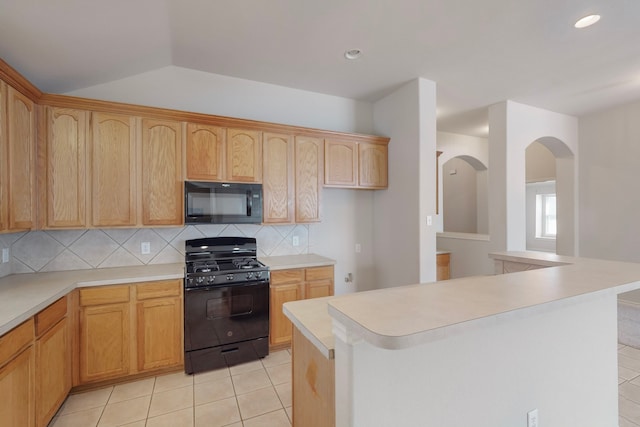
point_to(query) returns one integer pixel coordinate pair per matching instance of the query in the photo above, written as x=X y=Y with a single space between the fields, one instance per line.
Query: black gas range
x=226 y=303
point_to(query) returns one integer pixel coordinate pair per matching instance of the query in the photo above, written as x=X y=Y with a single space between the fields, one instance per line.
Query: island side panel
x=313 y=384
x=562 y=362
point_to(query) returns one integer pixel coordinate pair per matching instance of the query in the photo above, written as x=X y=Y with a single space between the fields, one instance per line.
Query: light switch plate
x=5 y=255
x=296 y=241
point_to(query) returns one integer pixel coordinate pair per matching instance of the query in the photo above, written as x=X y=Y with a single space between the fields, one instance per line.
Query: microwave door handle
x=249 y=203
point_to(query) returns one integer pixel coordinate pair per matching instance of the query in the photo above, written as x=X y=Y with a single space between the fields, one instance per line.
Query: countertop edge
x=405 y=341
x=324 y=350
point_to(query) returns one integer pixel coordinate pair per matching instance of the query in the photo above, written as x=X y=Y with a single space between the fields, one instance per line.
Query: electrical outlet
x=532 y=418
x=5 y=255
x=145 y=248
x=358 y=248
x=296 y=241
x=429 y=220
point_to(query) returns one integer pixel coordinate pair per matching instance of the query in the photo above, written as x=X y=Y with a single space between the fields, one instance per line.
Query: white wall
x=347 y=214
x=190 y=90
x=404 y=245
x=469 y=254
x=490 y=376
x=512 y=127
x=609 y=175
x=459 y=196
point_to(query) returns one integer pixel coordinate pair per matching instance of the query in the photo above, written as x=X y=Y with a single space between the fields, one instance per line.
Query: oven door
x=220 y=315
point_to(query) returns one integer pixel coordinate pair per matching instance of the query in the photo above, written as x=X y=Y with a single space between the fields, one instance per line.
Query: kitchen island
x=480 y=351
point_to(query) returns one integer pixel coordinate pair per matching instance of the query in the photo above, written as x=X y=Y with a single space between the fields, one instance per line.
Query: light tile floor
x=254 y=394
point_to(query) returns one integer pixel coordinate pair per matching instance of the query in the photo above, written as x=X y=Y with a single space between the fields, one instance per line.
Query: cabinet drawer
x=50 y=316
x=165 y=288
x=15 y=340
x=318 y=273
x=104 y=295
x=280 y=277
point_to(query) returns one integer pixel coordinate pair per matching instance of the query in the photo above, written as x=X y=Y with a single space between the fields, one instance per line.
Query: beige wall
x=540 y=163
x=459 y=196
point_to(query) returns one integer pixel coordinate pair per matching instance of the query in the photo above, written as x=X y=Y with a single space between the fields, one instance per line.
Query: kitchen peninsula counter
x=545 y=319
x=23 y=295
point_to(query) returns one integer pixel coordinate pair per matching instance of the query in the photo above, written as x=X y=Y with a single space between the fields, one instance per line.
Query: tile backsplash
x=56 y=250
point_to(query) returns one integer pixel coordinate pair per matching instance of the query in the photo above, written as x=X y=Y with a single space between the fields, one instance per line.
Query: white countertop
x=406 y=316
x=24 y=295
x=546 y=259
x=285 y=262
x=312 y=319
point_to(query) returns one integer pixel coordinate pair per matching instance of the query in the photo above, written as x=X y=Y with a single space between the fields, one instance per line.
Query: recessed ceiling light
x=353 y=54
x=587 y=21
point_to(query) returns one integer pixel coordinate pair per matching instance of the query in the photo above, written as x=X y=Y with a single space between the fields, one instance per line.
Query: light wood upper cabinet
x=112 y=175
x=309 y=164
x=4 y=164
x=373 y=165
x=277 y=179
x=354 y=164
x=65 y=158
x=340 y=163
x=205 y=152
x=244 y=155
x=21 y=160
x=161 y=173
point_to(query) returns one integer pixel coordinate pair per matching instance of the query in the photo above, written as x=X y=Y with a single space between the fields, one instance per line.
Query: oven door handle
x=226 y=285
x=249 y=203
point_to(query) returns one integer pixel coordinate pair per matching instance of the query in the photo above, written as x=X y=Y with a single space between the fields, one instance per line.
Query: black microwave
x=222 y=203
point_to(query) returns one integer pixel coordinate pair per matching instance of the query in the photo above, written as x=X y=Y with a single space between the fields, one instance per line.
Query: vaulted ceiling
x=478 y=52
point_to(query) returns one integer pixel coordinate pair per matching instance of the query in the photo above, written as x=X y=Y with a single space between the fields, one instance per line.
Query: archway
x=465 y=200
x=550 y=193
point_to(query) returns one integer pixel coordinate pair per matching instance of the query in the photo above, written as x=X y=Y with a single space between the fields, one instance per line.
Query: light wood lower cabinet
x=293 y=285
x=159 y=329
x=17 y=375
x=53 y=360
x=129 y=329
x=443 y=271
x=105 y=327
x=313 y=384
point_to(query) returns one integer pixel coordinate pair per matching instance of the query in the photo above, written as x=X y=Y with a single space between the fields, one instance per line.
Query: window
x=546 y=226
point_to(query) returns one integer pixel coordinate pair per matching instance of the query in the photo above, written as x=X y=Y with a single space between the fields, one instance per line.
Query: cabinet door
x=442 y=266
x=4 y=163
x=20 y=145
x=205 y=152
x=309 y=164
x=277 y=179
x=244 y=155
x=161 y=173
x=340 y=163
x=65 y=167
x=16 y=388
x=159 y=324
x=318 y=289
x=113 y=170
x=104 y=342
x=280 y=327
x=53 y=371
x=373 y=164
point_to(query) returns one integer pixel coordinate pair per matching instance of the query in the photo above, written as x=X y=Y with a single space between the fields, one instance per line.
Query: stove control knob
x=249 y=275
x=211 y=279
x=200 y=280
x=258 y=274
x=229 y=276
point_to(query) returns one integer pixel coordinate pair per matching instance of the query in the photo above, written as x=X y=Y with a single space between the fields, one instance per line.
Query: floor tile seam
x=262 y=415
x=628 y=420
x=104 y=407
x=249 y=372
x=257 y=389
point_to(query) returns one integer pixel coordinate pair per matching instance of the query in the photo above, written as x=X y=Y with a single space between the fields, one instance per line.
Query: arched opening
x=464 y=188
x=549 y=196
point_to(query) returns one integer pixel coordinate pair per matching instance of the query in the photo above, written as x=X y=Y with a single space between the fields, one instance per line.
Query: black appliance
x=226 y=303
x=222 y=203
